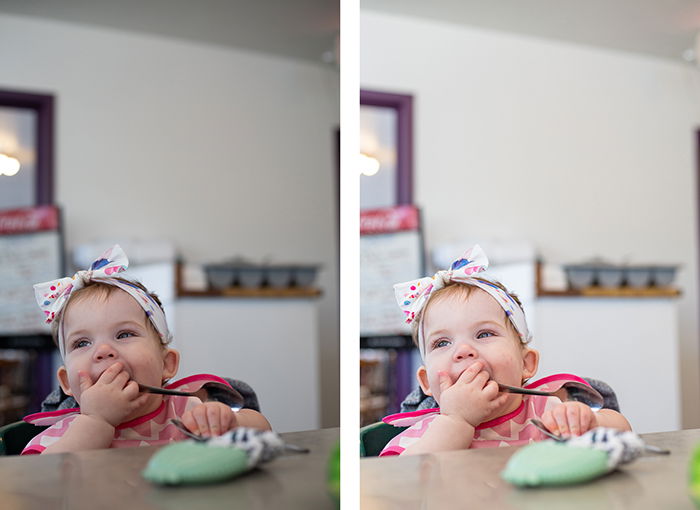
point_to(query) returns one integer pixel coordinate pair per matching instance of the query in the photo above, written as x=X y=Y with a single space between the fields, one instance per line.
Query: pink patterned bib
x=511 y=429
x=151 y=429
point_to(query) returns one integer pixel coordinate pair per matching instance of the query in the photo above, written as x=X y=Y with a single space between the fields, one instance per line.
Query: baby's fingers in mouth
x=112 y=372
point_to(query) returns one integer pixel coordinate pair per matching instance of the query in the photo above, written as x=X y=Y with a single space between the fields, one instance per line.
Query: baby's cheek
x=435 y=388
x=514 y=365
x=76 y=394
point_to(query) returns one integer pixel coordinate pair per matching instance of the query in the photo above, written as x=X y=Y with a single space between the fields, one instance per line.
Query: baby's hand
x=113 y=397
x=472 y=397
x=210 y=419
x=570 y=419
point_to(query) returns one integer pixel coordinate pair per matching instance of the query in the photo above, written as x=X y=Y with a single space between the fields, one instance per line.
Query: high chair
x=375 y=436
x=15 y=436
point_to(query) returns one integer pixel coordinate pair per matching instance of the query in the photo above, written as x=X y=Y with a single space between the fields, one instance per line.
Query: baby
x=112 y=335
x=471 y=332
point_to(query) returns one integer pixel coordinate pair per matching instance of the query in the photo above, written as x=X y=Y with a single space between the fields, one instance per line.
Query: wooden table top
x=471 y=479
x=112 y=478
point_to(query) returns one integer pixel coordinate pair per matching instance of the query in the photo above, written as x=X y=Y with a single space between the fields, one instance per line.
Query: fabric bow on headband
x=412 y=296
x=53 y=296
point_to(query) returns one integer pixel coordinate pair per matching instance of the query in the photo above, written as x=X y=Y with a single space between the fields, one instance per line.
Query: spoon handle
x=523 y=391
x=539 y=425
x=143 y=388
x=296 y=449
x=181 y=426
x=656 y=449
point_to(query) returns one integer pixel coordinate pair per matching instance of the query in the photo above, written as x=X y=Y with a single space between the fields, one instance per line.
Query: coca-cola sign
x=389 y=219
x=29 y=219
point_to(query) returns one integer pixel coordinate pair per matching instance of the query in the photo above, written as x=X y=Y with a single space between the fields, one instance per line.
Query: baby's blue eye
x=80 y=343
x=484 y=334
x=125 y=334
x=441 y=343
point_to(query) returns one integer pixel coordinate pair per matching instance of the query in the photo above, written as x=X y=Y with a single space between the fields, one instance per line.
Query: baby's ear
x=171 y=362
x=422 y=376
x=531 y=360
x=62 y=375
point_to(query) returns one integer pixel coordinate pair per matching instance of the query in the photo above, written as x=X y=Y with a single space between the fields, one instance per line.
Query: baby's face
x=458 y=331
x=99 y=332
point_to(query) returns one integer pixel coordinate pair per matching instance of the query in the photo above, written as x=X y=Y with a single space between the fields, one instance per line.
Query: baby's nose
x=105 y=351
x=464 y=351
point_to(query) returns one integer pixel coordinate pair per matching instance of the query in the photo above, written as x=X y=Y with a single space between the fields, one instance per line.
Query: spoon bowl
x=569 y=391
x=209 y=392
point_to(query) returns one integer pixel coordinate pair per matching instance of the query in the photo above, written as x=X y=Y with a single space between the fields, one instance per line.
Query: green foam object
x=334 y=474
x=548 y=463
x=194 y=463
x=694 y=477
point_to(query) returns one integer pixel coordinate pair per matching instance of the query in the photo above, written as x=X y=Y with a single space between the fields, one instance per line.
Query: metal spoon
x=181 y=427
x=540 y=426
x=569 y=391
x=211 y=391
x=197 y=437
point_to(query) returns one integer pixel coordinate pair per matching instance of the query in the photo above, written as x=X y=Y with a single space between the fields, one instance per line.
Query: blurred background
x=561 y=136
x=200 y=137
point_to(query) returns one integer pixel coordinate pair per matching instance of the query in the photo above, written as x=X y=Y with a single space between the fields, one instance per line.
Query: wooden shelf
x=242 y=292
x=374 y=403
x=615 y=292
x=13 y=404
x=262 y=292
x=648 y=292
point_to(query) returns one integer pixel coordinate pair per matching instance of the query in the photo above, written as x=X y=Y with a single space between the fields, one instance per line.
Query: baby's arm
x=612 y=419
x=576 y=418
x=253 y=419
x=214 y=418
x=84 y=433
x=463 y=406
x=103 y=405
x=445 y=433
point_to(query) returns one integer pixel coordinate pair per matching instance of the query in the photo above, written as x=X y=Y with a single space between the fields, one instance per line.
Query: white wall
x=285 y=379
x=596 y=337
x=223 y=152
x=580 y=150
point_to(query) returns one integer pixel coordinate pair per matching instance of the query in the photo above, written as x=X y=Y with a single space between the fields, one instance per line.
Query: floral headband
x=53 y=296
x=413 y=296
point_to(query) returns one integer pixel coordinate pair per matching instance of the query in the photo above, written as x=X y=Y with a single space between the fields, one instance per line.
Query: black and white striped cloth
x=622 y=446
x=260 y=445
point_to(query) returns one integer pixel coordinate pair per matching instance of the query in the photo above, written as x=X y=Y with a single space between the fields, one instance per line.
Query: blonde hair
x=101 y=290
x=463 y=290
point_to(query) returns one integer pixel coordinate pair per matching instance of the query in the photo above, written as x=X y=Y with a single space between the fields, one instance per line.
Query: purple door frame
x=403 y=104
x=43 y=105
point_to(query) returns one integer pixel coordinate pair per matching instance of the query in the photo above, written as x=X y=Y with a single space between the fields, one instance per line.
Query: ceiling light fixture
x=8 y=165
x=369 y=165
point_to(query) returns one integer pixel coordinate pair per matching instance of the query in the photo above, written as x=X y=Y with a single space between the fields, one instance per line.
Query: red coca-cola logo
x=29 y=219
x=389 y=219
